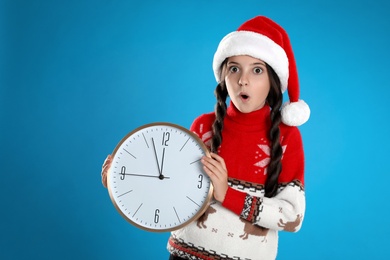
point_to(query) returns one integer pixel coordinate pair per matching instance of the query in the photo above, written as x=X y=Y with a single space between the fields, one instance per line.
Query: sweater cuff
x=234 y=200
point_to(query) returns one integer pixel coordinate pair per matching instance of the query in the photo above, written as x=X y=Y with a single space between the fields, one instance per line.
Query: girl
x=257 y=160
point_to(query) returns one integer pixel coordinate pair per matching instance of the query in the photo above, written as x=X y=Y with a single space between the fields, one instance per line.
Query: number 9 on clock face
x=156 y=180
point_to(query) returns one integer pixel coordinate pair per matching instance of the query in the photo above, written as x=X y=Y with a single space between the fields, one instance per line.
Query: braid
x=275 y=100
x=220 y=112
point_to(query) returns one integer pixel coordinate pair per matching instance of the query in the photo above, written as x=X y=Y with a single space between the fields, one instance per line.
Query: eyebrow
x=255 y=63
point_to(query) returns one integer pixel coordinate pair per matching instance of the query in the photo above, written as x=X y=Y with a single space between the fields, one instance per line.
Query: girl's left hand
x=216 y=169
x=106 y=166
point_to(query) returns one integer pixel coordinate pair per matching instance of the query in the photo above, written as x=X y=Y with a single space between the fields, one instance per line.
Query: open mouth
x=244 y=96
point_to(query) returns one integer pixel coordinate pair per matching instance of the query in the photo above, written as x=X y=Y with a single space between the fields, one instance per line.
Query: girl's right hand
x=105 y=167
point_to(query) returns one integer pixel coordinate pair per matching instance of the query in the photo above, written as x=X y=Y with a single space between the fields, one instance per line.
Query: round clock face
x=156 y=180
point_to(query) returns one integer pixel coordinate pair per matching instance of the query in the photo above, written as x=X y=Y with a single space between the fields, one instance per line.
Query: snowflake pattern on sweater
x=246 y=224
x=264 y=156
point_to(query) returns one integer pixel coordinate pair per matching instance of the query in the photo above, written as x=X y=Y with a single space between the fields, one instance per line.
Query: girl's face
x=247 y=82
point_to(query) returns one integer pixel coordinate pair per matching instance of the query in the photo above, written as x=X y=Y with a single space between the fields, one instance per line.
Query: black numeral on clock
x=123 y=172
x=165 y=138
x=156 y=216
x=200 y=182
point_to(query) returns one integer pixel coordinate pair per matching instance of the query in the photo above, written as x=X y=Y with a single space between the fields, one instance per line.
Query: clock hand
x=160 y=176
x=123 y=174
x=142 y=175
x=162 y=165
x=155 y=155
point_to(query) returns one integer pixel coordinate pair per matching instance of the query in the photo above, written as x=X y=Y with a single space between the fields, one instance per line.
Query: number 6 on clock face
x=156 y=180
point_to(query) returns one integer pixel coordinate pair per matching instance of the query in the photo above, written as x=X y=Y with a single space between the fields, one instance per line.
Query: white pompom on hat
x=262 y=38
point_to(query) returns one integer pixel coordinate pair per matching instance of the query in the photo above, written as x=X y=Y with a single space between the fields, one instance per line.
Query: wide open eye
x=233 y=69
x=257 y=70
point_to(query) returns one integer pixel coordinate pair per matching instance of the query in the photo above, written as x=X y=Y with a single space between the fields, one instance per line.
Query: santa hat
x=263 y=39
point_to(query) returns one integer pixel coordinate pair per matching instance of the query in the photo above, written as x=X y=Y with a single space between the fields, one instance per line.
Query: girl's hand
x=105 y=167
x=216 y=169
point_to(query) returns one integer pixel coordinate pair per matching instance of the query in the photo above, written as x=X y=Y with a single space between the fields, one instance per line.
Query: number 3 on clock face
x=156 y=180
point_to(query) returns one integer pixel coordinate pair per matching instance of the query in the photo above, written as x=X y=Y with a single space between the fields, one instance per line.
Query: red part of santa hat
x=262 y=38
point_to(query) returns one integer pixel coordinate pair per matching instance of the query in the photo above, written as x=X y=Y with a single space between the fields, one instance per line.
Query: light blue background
x=76 y=76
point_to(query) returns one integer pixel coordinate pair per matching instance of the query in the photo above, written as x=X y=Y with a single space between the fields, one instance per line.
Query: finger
x=106 y=166
x=209 y=163
x=104 y=181
x=219 y=159
x=108 y=160
x=105 y=170
x=214 y=170
x=213 y=164
x=213 y=177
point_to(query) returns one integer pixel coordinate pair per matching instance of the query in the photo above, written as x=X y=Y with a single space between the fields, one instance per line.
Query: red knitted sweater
x=245 y=225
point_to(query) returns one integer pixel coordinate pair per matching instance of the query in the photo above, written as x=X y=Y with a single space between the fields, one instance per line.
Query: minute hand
x=155 y=154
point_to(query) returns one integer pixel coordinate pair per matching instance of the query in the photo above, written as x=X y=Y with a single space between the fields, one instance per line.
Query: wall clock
x=156 y=180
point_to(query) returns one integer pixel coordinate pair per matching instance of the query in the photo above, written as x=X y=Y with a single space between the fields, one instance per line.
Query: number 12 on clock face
x=156 y=180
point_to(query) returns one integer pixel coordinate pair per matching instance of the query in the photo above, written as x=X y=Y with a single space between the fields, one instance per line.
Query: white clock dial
x=156 y=180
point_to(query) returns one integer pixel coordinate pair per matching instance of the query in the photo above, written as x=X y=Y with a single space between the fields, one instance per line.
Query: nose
x=243 y=80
